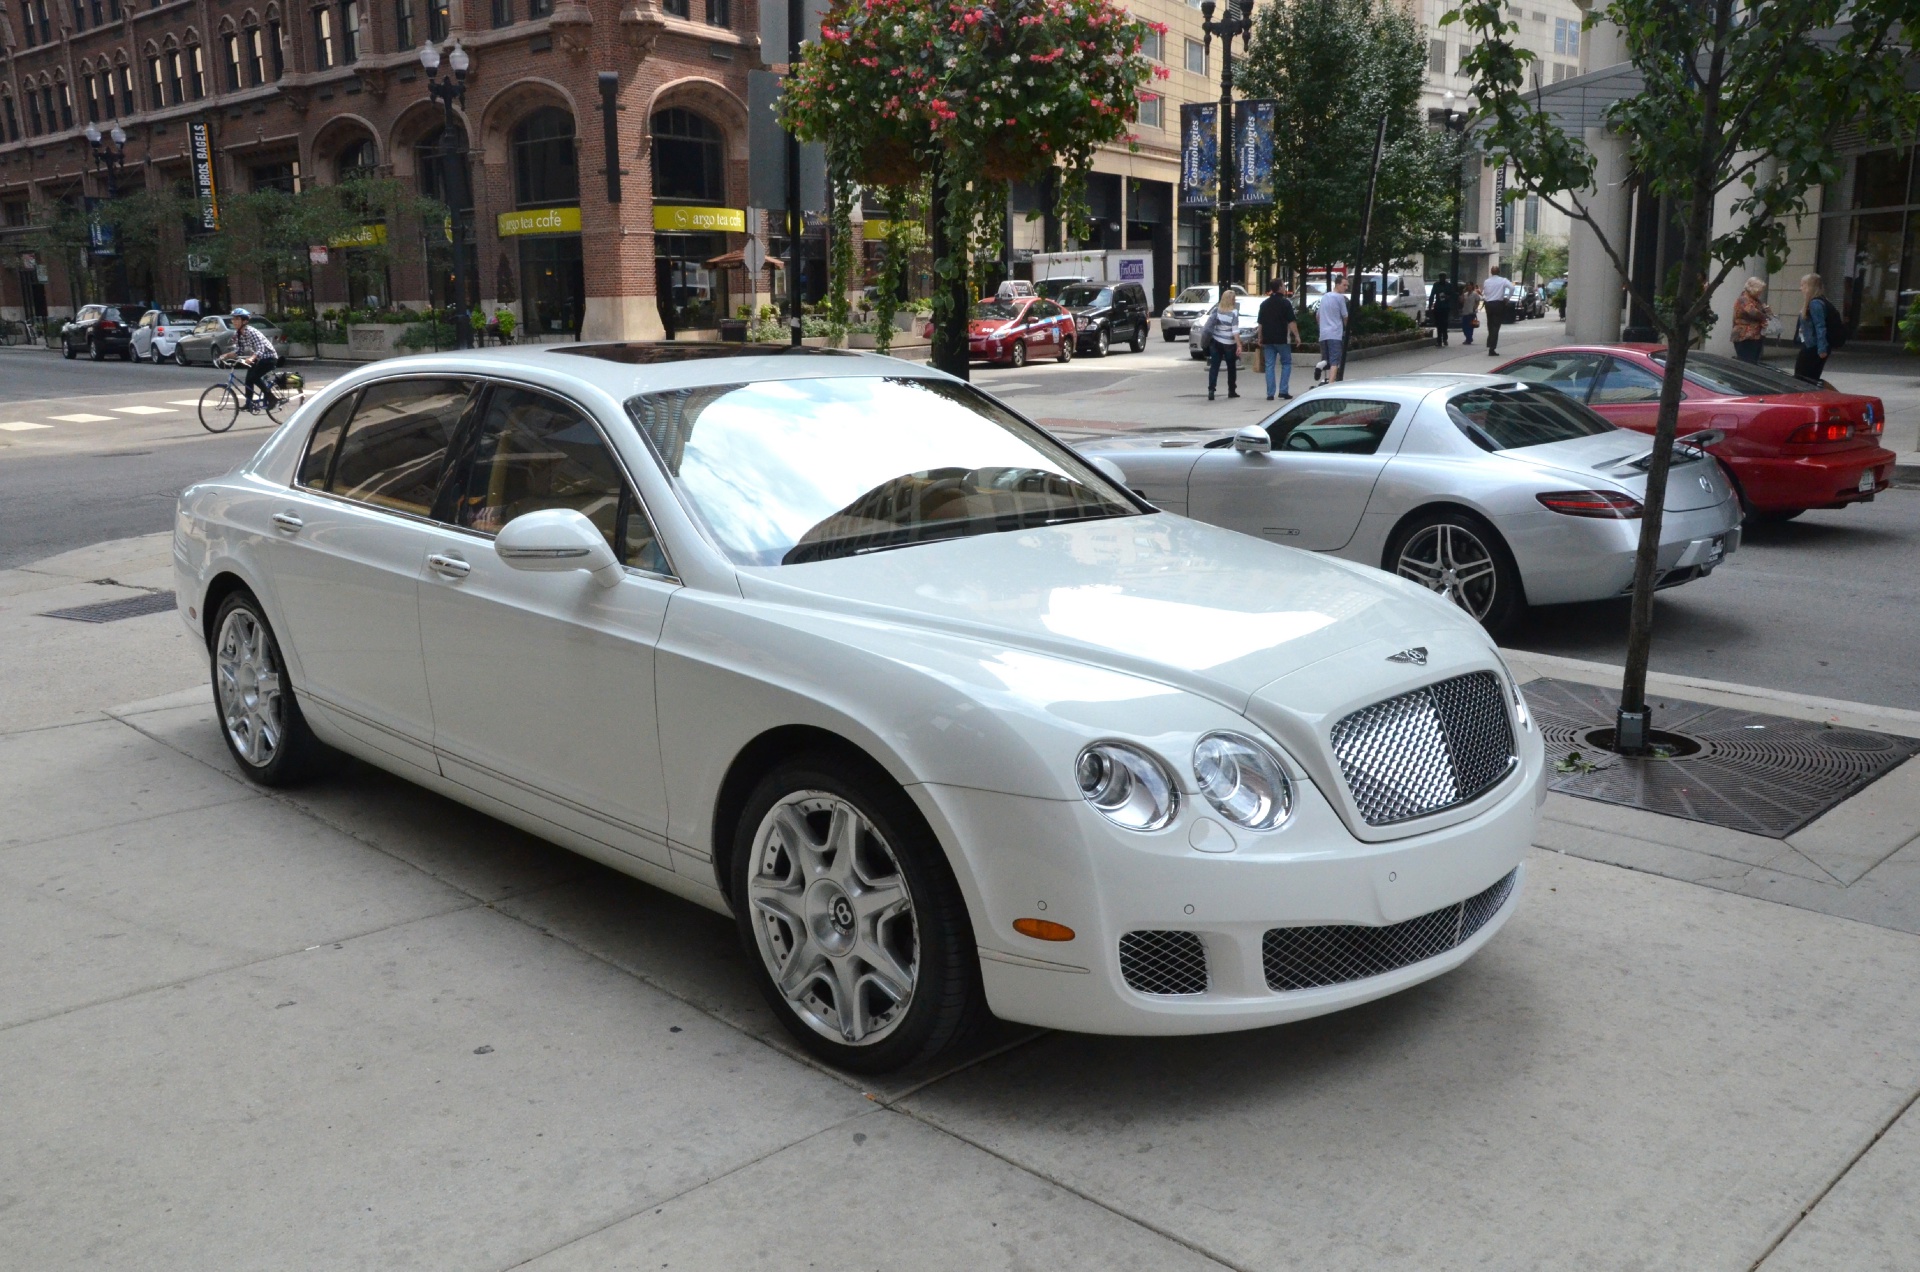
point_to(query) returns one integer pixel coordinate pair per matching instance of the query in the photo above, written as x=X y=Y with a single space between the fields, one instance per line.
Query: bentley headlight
x=1243 y=780
x=1130 y=787
x=1521 y=716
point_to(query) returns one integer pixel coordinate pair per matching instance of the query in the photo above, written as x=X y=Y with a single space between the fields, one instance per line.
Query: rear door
x=1310 y=490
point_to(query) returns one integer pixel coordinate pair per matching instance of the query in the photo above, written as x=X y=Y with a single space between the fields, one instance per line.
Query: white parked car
x=1495 y=493
x=946 y=718
x=1184 y=310
x=159 y=330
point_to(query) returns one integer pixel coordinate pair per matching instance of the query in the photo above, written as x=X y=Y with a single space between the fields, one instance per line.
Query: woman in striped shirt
x=1220 y=334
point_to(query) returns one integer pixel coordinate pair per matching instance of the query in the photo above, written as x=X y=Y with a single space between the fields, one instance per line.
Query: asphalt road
x=1825 y=605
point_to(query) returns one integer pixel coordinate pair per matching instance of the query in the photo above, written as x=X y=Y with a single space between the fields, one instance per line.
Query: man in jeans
x=1279 y=332
x=257 y=352
x=1332 y=314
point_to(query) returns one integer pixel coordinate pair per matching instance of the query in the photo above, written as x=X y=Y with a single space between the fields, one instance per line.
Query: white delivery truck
x=1116 y=266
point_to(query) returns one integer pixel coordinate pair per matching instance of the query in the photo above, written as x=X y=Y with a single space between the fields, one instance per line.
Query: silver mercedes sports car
x=1499 y=494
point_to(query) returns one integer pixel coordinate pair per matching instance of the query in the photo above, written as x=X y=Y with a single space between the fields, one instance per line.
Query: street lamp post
x=1237 y=19
x=1454 y=120
x=109 y=160
x=449 y=90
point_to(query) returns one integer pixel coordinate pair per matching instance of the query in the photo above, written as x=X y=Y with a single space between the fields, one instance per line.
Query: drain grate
x=1763 y=774
x=114 y=611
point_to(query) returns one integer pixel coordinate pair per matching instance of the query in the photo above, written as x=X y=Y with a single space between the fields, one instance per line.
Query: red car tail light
x=1606 y=504
x=1821 y=431
x=108 y=324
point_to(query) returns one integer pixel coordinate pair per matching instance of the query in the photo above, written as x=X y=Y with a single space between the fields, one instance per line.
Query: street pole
x=1235 y=20
x=109 y=160
x=1366 y=231
x=796 y=14
x=1456 y=123
x=447 y=91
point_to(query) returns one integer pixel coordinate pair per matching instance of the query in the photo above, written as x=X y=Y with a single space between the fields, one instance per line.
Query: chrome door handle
x=450 y=566
x=288 y=522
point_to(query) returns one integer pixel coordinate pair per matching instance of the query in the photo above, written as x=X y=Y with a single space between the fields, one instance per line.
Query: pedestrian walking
x=1814 y=332
x=1221 y=332
x=1332 y=316
x=1469 y=311
x=1750 y=318
x=1440 y=310
x=1279 y=333
x=1497 y=299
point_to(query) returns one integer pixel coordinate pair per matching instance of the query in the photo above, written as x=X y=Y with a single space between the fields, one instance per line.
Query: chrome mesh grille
x=1164 y=962
x=1426 y=750
x=1307 y=957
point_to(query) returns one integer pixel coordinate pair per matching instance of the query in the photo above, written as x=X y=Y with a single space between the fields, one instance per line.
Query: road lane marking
x=21 y=426
x=186 y=402
x=143 y=410
x=83 y=419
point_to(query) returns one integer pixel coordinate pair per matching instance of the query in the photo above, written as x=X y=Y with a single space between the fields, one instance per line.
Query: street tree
x=974 y=94
x=1333 y=68
x=269 y=234
x=1736 y=110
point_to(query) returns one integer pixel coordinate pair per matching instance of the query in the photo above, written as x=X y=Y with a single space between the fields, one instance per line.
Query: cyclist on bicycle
x=256 y=352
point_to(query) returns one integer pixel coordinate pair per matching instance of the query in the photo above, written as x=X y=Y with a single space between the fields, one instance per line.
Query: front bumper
x=1061 y=861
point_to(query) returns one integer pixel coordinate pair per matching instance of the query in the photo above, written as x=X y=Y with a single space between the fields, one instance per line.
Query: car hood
x=1089 y=311
x=988 y=326
x=1158 y=596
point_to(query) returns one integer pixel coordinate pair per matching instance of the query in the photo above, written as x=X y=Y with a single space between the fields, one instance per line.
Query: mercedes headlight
x=1243 y=780
x=1130 y=787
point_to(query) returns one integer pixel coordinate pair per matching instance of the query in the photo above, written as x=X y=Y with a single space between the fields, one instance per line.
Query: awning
x=738 y=260
x=1580 y=102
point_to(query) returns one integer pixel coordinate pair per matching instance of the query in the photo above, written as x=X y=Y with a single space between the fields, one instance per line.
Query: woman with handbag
x=1750 y=318
x=1469 y=310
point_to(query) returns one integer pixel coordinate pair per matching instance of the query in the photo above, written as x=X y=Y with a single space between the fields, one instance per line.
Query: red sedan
x=1790 y=445
x=1013 y=330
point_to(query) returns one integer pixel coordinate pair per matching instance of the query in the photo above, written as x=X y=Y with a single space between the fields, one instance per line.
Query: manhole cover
x=114 y=611
x=1763 y=774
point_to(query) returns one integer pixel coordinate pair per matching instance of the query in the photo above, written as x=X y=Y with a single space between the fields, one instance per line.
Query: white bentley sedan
x=946 y=718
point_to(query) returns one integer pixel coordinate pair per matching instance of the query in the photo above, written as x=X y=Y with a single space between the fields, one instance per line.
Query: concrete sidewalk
x=357 y=1026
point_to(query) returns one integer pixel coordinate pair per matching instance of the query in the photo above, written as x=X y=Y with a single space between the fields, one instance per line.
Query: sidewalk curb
x=1859 y=714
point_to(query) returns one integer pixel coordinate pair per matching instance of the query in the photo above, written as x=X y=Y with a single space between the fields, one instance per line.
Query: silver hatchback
x=212 y=337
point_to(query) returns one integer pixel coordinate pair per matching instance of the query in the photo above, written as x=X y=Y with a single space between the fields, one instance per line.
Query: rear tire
x=1066 y=350
x=1017 y=357
x=259 y=716
x=851 y=919
x=1139 y=341
x=95 y=352
x=1464 y=559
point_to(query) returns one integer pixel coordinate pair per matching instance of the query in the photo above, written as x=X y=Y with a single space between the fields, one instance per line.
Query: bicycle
x=222 y=404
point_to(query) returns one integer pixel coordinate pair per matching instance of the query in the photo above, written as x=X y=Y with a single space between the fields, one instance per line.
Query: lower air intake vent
x=1164 y=962
x=1307 y=957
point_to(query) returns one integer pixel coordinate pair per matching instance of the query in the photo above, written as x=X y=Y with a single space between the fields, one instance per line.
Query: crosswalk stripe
x=142 y=410
x=185 y=402
x=83 y=419
x=21 y=426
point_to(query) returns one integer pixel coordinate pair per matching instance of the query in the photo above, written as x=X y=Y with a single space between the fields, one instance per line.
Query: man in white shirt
x=1332 y=317
x=1497 y=295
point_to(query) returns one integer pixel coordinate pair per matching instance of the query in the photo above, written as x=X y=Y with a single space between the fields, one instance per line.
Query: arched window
x=688 y=159
x=357 y=160
x=430 y=162
x=545 y=173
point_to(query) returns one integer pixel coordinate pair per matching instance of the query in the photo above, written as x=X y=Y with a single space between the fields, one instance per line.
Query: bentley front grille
x=1427 y=750
x=1307 y=957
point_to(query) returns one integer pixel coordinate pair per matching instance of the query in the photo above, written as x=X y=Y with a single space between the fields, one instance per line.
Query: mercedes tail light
x=1608 y=505
x=1821 y=431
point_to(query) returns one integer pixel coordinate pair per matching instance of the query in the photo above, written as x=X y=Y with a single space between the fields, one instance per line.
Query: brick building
x=294 y=92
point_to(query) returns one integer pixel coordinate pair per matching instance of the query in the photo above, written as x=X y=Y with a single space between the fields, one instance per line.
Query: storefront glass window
x=688 y=159
x=545 y=173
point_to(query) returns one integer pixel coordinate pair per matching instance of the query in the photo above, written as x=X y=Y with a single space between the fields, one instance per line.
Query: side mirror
x=1111 y=469
x=557 y=539
x=1252 y=440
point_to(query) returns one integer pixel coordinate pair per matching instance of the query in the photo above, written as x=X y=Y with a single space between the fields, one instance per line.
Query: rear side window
x=394 y=453
x=1340 y=426
x=1571 y=373
x=1623 y=383
x=1739 y=379
x=1500 y=419
x=317 y=466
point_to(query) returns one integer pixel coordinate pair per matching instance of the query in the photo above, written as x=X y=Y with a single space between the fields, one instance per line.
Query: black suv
x=99 y=330
x=1108 y=313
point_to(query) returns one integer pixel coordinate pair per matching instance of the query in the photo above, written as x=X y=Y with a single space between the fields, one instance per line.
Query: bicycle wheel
x=219 y=408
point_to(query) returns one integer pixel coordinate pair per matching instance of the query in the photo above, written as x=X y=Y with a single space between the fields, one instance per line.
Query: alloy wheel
x=833 y=918
x=247 y=679
x=1450 y=559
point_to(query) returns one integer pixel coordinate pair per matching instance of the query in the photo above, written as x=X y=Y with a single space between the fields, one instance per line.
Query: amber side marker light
x=1042 y=930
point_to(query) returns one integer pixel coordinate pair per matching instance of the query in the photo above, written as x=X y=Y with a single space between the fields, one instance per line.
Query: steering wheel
x=1298 y=440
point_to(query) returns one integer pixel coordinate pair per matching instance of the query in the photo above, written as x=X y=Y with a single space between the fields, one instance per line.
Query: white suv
x=1186 y=309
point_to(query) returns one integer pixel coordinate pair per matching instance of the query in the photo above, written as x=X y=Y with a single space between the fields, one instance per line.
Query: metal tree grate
x=1308 y=957
x=114 y=611
x=1164 y=962
x=1762 y=774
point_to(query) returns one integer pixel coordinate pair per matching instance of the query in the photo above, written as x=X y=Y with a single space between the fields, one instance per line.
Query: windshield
x=1051 y=288
x=1085 y=294
x=1738 y=379
x=787 y=471
x=1505 y=418
x=996 y=311
x=1195 y=296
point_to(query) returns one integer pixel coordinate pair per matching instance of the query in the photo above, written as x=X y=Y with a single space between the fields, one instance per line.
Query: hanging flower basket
x=888 y=161
x=1010 y=158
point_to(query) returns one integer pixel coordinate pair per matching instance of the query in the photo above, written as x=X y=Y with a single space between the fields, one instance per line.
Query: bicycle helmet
x=241 y=313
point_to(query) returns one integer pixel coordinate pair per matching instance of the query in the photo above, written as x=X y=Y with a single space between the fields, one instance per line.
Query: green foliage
x=1910 y=328
x=1378 y=320
x=1333 y=67
x=905 y=234
x=435 y=333
x=1545 y=255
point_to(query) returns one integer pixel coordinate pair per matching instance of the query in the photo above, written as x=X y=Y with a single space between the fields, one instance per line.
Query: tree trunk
x=950 y=300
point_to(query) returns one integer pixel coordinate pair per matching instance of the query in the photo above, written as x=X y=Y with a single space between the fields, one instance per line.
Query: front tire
x=1463 y=559
x=1102 y=339
x=1168 y=336
x=180 y=357
x=67 y=351
x=851 y=919
x=220 y=406
x=260 y=718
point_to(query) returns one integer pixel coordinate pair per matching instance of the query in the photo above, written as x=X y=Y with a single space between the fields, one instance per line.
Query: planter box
x=371 y=341
x=901 y=341
x=335 y=352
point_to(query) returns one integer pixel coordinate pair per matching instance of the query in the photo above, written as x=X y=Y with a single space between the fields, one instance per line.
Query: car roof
x=624 y=368
x=1419 y=384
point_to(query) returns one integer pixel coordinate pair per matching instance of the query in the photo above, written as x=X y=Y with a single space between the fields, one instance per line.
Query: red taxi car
x=1790 y=445
x=1013 y=330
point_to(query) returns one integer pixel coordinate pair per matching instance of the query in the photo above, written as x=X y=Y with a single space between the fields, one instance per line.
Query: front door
x=348 y=549
x=542 y=683
x=1628 y=395
x=1310 y=490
